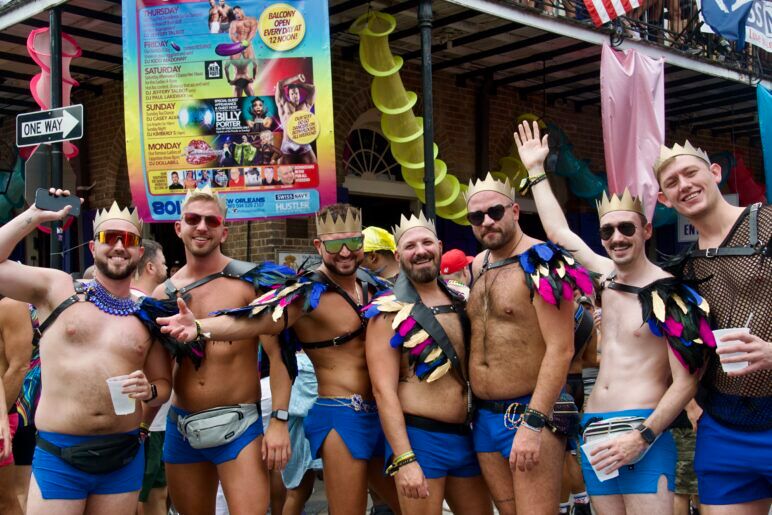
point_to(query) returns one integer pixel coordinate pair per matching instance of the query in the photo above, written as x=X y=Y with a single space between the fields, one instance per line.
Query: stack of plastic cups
x=398 y=122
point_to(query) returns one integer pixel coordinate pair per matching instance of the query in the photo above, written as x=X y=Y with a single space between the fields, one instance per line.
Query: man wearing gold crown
x=420 y=380
x=322 y=309
x=733 y=458
x=643 y=384
x=222 y=382
x=88 y=459
x=521 y=309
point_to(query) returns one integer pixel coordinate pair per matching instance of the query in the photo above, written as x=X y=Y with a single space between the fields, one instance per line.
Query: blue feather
x=526 y=263
x=654 y=327
x=396 y=341
x=544 y=251
x=316 y=292
x=371 y=311
x=422 y=369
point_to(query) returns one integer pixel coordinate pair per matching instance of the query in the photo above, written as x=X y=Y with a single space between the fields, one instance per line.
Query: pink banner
x=632 y=89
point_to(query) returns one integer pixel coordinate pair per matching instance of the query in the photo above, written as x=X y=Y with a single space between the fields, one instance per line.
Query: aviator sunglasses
x=496 y=213
x=213 y=222
x=625 y=228
x=129 y=239
x=353 y=244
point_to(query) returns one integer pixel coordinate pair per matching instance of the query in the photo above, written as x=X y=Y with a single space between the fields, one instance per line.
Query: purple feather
x=418 y=349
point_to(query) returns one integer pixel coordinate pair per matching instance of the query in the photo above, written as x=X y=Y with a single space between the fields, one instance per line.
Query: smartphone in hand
x=44 y=200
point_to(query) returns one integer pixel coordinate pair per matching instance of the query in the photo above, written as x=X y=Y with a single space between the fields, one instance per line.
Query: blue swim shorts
x=59 y=480
x=440 y=453
x=493 y=431
x=732 y=466
x=355 y=420
x=642 y=477
x=178 y=451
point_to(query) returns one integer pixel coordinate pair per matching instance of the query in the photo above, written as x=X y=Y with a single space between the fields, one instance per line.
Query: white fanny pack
x=216 y=426
x=612 y=428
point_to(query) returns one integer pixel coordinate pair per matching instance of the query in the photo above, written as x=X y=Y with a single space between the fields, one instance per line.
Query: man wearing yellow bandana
x=417 y=347
x=643 y=383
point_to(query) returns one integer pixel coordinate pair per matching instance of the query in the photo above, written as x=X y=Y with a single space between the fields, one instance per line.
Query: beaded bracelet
x=529 y=182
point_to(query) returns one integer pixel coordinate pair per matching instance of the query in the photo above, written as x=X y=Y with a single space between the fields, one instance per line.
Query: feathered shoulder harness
x=550 y=270
x=672 y=308
x=416 y=329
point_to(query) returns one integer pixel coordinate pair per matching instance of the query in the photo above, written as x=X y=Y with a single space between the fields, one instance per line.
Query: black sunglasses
x=495 y=212
x=626 y=228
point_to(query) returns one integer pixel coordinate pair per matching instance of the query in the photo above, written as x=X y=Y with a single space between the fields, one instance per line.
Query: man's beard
x=423 y=275
x=502 y=238
x=332 y=266
x=104 y=269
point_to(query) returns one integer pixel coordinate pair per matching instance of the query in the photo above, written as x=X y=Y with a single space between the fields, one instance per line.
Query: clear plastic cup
x=720 y=333
x=588 y=448
x=122 y=403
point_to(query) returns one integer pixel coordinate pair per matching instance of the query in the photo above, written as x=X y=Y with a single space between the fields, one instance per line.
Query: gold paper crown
x=116 y=213
x=625 y=202
x=351 y=221
x=490 y=184
x=666 y=154
x=205 y=192
x=405 y=224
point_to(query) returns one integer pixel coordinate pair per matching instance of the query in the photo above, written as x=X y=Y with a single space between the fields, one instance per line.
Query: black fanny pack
x=99 y=456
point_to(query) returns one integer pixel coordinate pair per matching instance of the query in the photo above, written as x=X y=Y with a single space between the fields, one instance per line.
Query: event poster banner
x=233 y=96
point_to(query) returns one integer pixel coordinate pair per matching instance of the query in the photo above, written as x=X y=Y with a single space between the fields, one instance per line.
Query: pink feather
x=406 y=326
x=568 y=292
x=418 y=349
x=673 y=328
x=706 y=334
x=545 y=290
x=680 y=359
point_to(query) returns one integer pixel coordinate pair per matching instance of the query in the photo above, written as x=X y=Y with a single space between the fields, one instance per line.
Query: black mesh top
x=737 y=286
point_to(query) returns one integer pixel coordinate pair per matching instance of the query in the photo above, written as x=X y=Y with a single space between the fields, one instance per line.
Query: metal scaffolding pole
x=55 y=28
x=425 y=24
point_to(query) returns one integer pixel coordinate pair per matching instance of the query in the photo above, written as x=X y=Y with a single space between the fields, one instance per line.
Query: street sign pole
x=55 y=27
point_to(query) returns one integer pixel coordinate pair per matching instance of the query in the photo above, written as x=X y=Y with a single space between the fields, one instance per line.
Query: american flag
x=603 y=11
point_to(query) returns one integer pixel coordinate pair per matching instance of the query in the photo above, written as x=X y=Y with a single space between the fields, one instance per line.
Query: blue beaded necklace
x=109 y=303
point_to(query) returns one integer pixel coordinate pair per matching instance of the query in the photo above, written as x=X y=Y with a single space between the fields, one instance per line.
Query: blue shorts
x=360 y=430
x=732 y=466
x=642 y=477
x=441 y=454
x=59 y=480
x=491 y=433
x=178 y=451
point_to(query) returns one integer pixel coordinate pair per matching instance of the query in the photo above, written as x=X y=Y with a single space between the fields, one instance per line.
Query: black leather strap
x=500 y=406
x=334 y=342
x=751 y=249
x=69 y=301
x=233 y=270
x=435 y=426
x=487 y=265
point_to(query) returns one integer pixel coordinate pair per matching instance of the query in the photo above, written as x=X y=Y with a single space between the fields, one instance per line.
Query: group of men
x=457 y=395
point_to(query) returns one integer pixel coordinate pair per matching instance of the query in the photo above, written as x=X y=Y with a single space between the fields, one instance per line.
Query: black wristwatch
x=280 y=414
x=534 y=420
x=153 y=393
x=647 y=434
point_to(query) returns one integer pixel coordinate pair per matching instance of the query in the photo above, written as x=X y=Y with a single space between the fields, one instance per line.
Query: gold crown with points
x=405 y=224
x=490 y=184
x=206 y=193
x=666 y=154
x=351 y=221
x=116 y=213
x=625 y=202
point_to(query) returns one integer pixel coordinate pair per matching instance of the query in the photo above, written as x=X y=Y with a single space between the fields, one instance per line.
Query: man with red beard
x=521 y=311
x=224 y=383
x=88 y=459
x=417 y=346
x=647 y=374
x=322 y=309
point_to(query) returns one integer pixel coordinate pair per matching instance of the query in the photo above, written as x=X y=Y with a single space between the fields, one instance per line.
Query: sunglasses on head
x=353 y=244
x=495 y=212
x=625 y=228
x=194 y=219
x=129 y=239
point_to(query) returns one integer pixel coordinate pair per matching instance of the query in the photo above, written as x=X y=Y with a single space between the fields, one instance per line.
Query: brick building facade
x=103 y=150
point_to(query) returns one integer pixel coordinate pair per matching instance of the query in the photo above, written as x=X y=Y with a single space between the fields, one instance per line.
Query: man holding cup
x=733 y=459
x=628 y=456
x=88 y=457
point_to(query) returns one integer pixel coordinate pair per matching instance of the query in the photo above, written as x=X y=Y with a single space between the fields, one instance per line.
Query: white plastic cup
x=720 y=333
x=122 y=403
x=588 y=448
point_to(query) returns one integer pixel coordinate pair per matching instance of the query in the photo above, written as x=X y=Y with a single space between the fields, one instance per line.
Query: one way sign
x=62 y=124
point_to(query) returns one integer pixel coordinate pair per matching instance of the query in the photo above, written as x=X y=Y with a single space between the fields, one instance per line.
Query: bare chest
x=221 y=293
x=500 y=293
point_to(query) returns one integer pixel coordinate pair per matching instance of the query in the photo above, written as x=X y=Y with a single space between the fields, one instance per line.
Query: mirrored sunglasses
x=353 y=244
x=129 y=239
